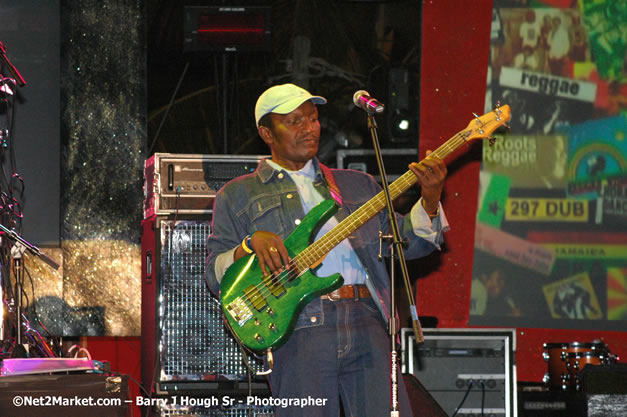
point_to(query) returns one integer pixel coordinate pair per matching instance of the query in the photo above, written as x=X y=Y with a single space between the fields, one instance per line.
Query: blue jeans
x=346 y=356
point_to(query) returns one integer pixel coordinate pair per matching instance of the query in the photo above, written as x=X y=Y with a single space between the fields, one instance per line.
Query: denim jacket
x=268 y=200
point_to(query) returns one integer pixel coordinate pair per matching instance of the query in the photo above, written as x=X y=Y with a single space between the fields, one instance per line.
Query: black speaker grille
x=194 y=343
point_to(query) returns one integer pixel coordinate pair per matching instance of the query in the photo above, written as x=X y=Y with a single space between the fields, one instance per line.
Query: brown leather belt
x=354 y=292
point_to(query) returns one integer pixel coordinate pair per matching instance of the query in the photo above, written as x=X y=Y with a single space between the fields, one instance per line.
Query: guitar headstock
x=483 y=126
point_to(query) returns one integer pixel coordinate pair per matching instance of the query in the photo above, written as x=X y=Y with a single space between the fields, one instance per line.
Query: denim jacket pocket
x=311 y=316
x=265 y=214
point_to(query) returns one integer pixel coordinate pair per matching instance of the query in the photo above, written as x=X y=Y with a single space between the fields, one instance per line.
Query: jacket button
x=280 y=175
x=297 y=221
x=289 y=196
x=314 y=319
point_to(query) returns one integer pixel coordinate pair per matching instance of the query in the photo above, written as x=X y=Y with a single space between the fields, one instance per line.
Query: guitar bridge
x=239 y=311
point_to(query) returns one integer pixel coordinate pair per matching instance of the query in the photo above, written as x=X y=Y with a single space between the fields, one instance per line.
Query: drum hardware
x=566 y=360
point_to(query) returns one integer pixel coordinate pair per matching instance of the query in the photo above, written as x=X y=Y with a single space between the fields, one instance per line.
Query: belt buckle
x=334 y=295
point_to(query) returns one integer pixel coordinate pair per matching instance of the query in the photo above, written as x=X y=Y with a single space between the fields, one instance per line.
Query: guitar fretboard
x=481 y=127
x=362 y=215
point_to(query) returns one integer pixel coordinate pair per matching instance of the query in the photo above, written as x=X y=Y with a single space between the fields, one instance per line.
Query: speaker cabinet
x=467 y=369
x=185 y=345
x=186 y=348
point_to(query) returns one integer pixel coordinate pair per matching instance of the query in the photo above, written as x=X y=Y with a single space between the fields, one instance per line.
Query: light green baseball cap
x=283 y=99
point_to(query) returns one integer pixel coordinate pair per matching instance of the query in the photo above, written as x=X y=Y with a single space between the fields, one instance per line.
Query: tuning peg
x=477 y=118
x=492 y=141
x=498 y=105
x=507 y=126
x=479 y=122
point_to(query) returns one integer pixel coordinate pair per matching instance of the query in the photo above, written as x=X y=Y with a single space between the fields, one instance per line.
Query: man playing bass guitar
x=337 y=345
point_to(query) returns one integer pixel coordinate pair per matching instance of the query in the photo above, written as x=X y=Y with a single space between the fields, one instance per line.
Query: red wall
x=455 y=39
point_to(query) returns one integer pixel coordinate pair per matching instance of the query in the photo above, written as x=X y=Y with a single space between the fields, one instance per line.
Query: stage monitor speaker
x=186 y=348
x=471 y=371
x=422 y=403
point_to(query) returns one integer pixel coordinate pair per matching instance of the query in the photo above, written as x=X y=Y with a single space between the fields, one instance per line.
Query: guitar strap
x=331 y=184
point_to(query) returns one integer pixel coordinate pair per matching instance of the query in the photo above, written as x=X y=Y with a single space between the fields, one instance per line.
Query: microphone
x=363 y=100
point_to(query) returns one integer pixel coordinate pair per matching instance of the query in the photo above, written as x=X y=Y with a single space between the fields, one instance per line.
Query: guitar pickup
x=271 y=282
x=253 y=295
x=239 y=311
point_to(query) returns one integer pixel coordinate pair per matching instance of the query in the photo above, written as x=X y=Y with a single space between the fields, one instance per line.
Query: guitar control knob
x=258 y=337
x=257 y=322
x=272 y=326
x=271 y=312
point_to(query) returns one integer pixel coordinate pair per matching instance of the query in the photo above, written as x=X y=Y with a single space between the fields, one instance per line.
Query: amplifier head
x=187 y=183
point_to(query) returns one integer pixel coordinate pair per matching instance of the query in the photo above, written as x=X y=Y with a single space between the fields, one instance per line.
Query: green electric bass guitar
x=261 y=311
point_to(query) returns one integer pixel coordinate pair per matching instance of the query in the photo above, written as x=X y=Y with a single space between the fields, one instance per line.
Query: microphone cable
x=471 y=384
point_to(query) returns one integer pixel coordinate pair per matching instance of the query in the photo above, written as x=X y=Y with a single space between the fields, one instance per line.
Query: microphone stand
x=19 y=247
x=31 y=248
x=396 y=251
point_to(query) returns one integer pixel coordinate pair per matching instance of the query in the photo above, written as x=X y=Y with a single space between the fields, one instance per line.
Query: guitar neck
x=362 y=215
